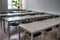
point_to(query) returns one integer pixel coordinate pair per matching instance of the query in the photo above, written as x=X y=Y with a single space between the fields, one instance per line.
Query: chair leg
x=25 y=37
x=4 y=26
x=8 y=31
x=1 y=24
x=40 y=38
x=44 y=36
x=54 y=31
x=54 y=34
x=34 y=38
x=19 y=33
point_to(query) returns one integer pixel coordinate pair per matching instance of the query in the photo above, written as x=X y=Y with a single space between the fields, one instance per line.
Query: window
x=12 y=4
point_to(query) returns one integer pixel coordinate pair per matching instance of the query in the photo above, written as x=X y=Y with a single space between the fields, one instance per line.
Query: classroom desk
x=20 y=11
x=39 y=26
x=17 y=13
x=18 y=18
x=10 y=19
x=24 y=17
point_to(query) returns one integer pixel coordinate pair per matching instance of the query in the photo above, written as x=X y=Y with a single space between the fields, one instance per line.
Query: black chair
x=29 y=11
x=56 y=16
x=56 y=29
x=38 y=19
x=14 y=23
x=11 y=12
x=11 y=24
x=46 y=31
x=32 y=14
x=50 y=17
x=57 y=26
x=34 y=35
x=49 y=29
x=26 y=21
x=42 y=13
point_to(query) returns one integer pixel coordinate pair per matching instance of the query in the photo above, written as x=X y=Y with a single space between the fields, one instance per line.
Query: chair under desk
x=24 y=17
x=17 y=18
x=16 y=13
x=53 y=22
x=39 y=26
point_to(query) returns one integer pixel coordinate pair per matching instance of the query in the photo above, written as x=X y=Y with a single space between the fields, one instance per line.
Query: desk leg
x=32 y=36
x=19 y=33
x=1 y=24
x=4 y=25
x=8 y=31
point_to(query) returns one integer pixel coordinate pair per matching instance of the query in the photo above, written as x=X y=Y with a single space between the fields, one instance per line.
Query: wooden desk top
x=40 y=25
x=23 y=17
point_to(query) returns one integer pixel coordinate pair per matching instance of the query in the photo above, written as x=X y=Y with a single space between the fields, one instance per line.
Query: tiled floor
x=4 y=36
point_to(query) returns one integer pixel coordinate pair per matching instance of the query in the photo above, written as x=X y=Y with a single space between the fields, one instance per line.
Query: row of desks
x=17 y=13
x=25 y=17
x=34 y=26
x=20 y=18
x=40 y=26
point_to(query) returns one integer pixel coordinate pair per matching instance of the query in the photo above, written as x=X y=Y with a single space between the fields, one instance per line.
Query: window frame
x=11 y=6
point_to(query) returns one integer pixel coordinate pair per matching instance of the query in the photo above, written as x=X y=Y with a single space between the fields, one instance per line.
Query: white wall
x=3 y=5
x=49 y=6
x=24 y=4
x=0 y=5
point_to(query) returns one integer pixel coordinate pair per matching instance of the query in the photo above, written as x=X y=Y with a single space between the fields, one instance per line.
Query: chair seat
x=14 y=24
x=50 y=17
x=32 y=14
x=57 y=26
x=29 y=11
x=23 y=22
x=56 y=16
x=26 y=21
x=40 y=19
x=42 y=13
x=49 y=29
x=34 y=35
